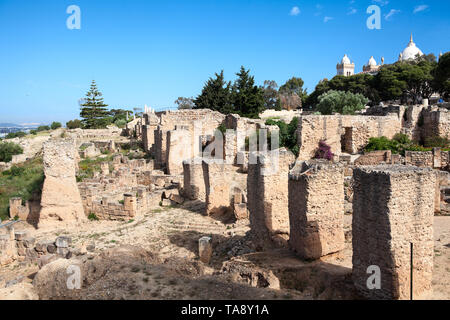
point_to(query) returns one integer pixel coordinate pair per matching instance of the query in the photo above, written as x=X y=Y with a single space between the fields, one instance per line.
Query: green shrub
x=437 y=142
x=382 y=143
x=92 y=217
x=288 y=138
x=13 y=135
x=55 y=125
x=120 y=123
x=43 y=128
x=74 y=124
x=24 y=181
x=9 y=149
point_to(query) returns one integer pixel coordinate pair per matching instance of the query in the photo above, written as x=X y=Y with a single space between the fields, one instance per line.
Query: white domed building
x=346 y=67
x=372 y=67
x=411 y=52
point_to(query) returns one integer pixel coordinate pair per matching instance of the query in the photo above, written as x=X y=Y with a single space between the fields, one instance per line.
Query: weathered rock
x=20 y=235
x=240 y=211
x=63 y=242
x=29 y=242
x=46 y=259
x=205 y=249
x=176 y=198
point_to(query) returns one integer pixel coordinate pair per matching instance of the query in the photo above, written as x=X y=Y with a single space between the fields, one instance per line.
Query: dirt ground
x=156 y=257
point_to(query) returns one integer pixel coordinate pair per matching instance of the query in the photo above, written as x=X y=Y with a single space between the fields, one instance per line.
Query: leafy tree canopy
x=341 y=102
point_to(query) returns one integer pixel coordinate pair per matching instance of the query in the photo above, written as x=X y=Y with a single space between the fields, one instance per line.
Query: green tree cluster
x=9 y=149
x=243 y=97
x=408 y=81
x=55 y=125
x=74 y=124
x=288 y=138
x=341 y=102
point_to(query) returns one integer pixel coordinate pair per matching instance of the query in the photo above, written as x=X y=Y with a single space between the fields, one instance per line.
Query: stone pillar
x=267 y=192
x=230 y=146
x=160 y=147
x=437 y=160
x=130 y=204
x=316 y=209
x=217 y=176
x=194 y=183
x=205 y=249
x=148 y=137
x=61 y=200
x=178 y=149
x=393 y=207
x=104 y=166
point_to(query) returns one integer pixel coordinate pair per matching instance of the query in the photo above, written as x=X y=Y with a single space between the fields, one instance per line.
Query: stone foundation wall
x=392 y=208
x=316 y=208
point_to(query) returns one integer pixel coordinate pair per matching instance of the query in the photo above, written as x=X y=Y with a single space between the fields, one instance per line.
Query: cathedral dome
x=410 y=52
x=345 y=60
x=372 y=62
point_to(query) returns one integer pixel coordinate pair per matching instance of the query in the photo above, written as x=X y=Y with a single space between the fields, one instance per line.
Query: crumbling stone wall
x=392 y=208
x=220 y=181
x=352 y=132
x=316 y=208
x=60 y=196
x=267 y=192
x=178 y=149
x=374 y=158
x=432 y=159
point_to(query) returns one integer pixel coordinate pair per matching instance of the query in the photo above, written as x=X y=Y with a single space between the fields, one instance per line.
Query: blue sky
x=151 y=52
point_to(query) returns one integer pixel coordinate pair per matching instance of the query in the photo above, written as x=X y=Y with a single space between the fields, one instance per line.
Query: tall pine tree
x=248 y=99
x=215 y=95
x=93 y=109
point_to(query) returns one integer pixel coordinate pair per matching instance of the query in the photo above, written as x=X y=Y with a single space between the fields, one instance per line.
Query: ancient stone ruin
x=61 y=200
x=393 y=212
x=316 y=209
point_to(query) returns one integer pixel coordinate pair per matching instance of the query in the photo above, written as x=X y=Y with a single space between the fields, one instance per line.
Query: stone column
x=104 y=166
x=61 y=200
x=130 y=204
x=393 y=207
x=178 y=149
x=194 y=183
x=316 y=208
x=218 y=177
x=267 y=192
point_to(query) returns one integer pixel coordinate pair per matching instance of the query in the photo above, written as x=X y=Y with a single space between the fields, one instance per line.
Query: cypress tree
x=248 y=99
x=93 y=109
x=215 y=95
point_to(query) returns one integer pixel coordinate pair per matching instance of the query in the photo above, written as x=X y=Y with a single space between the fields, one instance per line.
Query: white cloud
x=352 y=11
x=381 y=2
x=391 y=14
x=295 y=11
x=420 y=8
x=326 y=19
